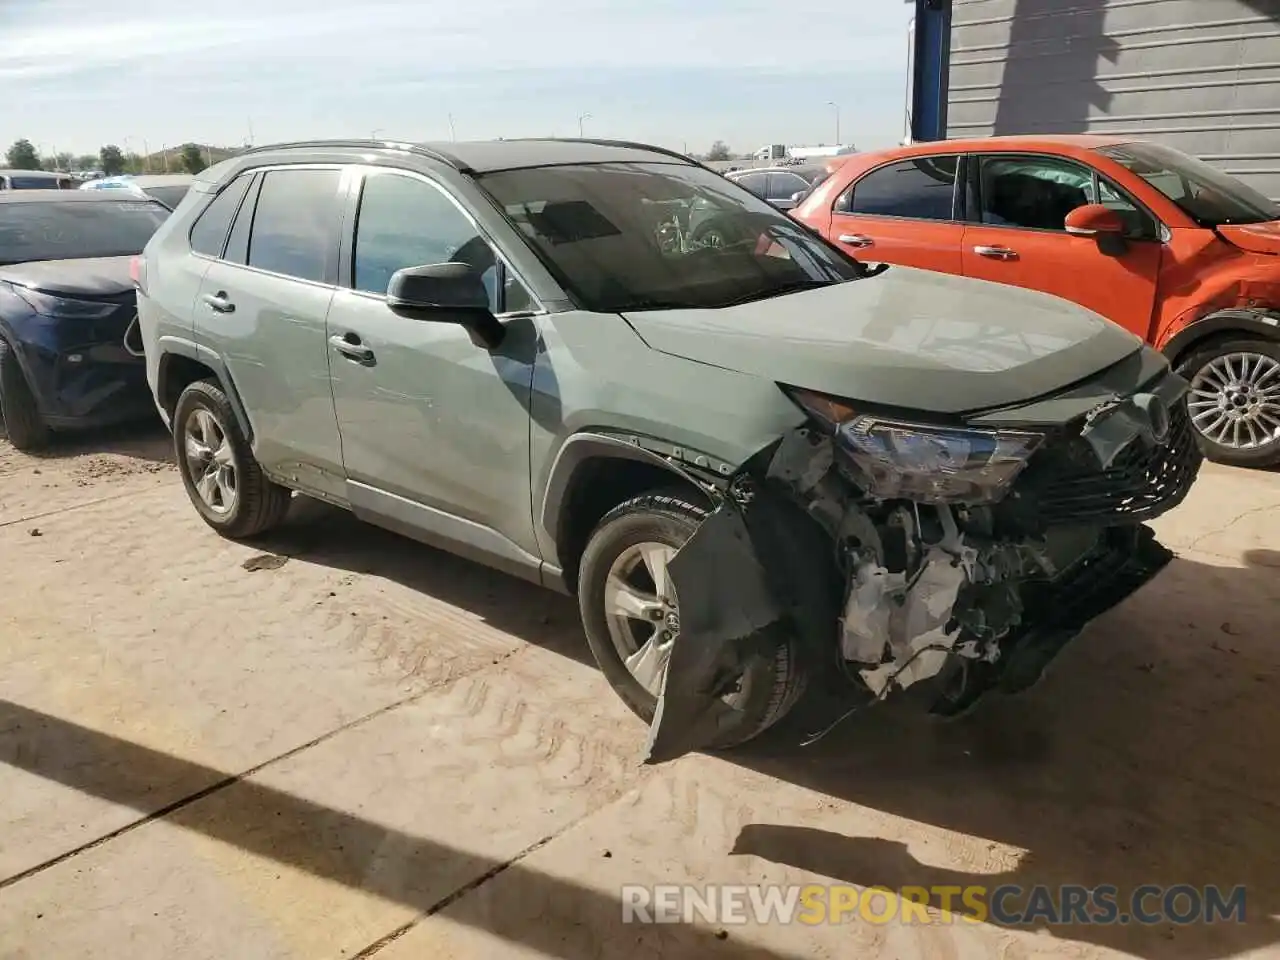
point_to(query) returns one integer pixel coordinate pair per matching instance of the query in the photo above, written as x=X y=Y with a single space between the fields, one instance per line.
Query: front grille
x=1065 y=484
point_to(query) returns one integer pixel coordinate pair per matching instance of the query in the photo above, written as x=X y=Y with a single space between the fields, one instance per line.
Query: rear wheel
x=632 y=615
x=23 y=424
x=223 y=479
x=1234 y=400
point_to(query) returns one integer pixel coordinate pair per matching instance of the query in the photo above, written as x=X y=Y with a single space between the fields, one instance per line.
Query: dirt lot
x=340 y=744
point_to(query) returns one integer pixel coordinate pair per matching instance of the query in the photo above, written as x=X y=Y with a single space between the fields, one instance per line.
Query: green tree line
x=111 y=160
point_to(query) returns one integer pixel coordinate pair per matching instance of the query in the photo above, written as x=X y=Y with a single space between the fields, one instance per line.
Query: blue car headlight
x=65 y=308
x=894 y=459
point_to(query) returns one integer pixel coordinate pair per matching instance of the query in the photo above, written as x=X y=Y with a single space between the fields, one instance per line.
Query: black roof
x=488 y=156
x=71 y=196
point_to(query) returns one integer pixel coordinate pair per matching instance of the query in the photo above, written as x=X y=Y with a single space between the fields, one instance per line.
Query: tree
x=88 y=161
x=111 y=160
x=719 y=151
x=64 y=161
x=23 y=156
x=192 y=158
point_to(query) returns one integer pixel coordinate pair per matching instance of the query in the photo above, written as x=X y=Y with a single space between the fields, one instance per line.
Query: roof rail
x=629 y=144
x=378 y=144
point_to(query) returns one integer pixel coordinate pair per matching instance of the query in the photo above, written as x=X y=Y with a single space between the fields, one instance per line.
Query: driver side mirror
x=446 y=293
x=1102 y=223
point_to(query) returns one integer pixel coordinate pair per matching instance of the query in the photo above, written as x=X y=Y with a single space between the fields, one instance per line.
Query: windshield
x=1204 y=193
x=73 y=230
x=630 y=236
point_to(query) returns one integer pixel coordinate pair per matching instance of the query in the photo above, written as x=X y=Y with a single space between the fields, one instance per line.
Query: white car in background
x=168 y=188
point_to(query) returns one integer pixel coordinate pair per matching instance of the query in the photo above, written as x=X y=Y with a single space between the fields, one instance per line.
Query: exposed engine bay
x=950 y=588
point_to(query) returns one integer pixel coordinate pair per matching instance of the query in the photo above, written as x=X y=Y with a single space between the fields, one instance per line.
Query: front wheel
x=23 y=424
x=632 y=615
x=1234 y=400
x=223 y=478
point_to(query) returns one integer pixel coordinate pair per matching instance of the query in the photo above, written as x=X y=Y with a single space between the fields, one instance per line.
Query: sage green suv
x=755 y=462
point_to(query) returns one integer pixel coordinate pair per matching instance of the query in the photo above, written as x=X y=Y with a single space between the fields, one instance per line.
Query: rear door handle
x=349 y=345
x=855 y=240
x=219 y=302
x=996 y=253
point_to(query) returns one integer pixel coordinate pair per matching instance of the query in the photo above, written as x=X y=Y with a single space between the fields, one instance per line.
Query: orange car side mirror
x=1093 y=220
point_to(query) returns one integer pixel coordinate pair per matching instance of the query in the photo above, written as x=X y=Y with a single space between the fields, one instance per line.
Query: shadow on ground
x=1145 y=756
x=146 y=440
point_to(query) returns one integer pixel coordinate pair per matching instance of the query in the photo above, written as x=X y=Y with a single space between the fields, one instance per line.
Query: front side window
x=209 y=233
x=1032 y=192
x=922 y=188
x=77 y=229
x=294 y=223
x=651 y=236
x=1208 y=196
x=406 y=222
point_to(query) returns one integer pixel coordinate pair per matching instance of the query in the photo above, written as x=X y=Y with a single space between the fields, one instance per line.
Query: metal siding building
x=1199 y=75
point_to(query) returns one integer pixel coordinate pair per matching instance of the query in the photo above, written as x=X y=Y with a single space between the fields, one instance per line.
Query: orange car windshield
x=1207 y=195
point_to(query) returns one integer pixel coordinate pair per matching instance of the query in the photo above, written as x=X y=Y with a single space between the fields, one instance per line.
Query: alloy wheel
x=211 y=461
x=1235 y=400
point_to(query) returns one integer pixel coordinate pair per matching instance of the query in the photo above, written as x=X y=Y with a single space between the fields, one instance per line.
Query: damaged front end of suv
x=959 y=556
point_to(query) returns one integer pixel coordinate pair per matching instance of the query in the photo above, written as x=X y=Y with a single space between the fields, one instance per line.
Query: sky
x=77 y=74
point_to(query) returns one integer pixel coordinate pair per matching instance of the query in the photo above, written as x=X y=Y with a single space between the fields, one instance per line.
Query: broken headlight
x=929 y=463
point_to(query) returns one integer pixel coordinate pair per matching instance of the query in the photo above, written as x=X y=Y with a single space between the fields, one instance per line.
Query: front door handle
x=219 y=302
x=996 y=253
x=349 y=345
x=855 y=240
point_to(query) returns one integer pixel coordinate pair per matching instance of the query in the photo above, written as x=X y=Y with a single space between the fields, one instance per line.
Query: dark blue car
x=67 y=302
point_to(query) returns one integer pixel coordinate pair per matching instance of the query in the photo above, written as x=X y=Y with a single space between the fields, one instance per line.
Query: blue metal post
x=930 y=65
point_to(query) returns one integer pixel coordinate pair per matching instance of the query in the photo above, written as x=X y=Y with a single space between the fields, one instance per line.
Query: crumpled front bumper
x=763 y=566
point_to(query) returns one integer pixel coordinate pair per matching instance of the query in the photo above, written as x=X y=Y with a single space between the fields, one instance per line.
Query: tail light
x=138 y=274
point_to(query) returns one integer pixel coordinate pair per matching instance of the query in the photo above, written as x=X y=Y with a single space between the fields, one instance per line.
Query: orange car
x=1180 y=253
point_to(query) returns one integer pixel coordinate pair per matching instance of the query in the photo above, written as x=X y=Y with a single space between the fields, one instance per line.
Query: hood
x=907 y=338
x=98 y=278
x=1254 y=237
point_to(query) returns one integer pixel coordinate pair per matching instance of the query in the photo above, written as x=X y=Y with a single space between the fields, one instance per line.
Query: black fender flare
x=1233 y=320
x=169 y=346
x=590 y=445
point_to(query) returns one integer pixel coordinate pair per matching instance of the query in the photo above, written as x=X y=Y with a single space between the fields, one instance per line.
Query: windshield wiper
x=794 y=286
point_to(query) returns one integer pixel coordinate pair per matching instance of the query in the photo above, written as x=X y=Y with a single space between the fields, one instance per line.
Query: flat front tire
x=631 y=615
x=23 y=424
x=222 y=477
x=1234 y=400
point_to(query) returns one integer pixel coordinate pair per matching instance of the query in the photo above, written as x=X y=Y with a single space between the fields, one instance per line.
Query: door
x=1017 y=206
x=262 y=308
x=902 y=213
x=435 y=428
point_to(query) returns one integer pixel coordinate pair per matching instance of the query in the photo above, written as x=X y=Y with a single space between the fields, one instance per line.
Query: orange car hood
x=1254 y=237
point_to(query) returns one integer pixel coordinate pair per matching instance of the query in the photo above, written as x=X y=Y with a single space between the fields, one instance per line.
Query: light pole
x=582 y=118
x=453 y=133
x=373 y=134
x=835 y=106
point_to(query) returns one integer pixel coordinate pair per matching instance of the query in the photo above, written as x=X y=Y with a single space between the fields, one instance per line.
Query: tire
x=1198 y=369
x=23 y=424
x=256 y=504
x=771 y=687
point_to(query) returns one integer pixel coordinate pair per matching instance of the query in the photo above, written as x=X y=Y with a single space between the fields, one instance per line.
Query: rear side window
x=922 y=188
x=294 y=224
x=757 y=183
x=783 y=185
x=209 y=234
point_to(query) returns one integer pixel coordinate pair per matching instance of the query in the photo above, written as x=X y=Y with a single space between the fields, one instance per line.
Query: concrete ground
x=375 y=749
